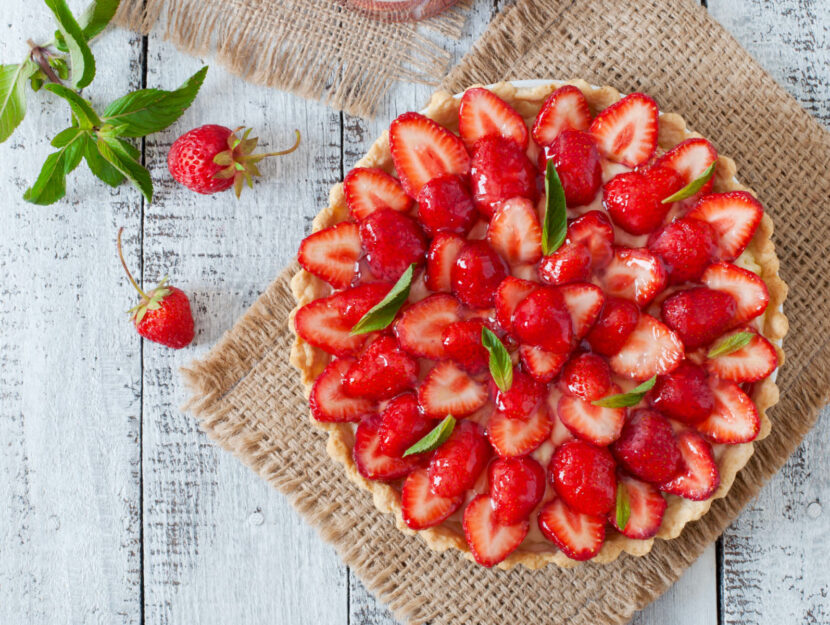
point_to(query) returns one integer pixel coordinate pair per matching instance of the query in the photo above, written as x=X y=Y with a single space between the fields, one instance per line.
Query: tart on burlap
x=540 y=325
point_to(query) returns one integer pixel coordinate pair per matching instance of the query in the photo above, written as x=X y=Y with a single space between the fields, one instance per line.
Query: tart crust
x=759 y=256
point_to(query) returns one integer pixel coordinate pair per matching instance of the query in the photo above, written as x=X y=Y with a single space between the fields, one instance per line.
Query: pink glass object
x=399 y=10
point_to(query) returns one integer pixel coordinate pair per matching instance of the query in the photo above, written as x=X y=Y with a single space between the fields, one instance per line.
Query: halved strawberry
x=594 y=231
x=734 y=418
x=734 y=216
x=626 y=132
x=597 y=425
x=564 y=109
x=647 y=507
x=690 y=159
x=423 y=150
x=490 y=543
x=541 y=364
x=651 y=349
x=382 y=371
x=371 y=462
x=484 y=114
x=355 y=302
x=754 y=361
x=420 y=507
x=570 y=263
x=321 y=324
x=441 y=256
x=456 y=465
x=515 y=233
x=579 y=536
x=586 y=376
x=613 y=326
x=332 y=254
x=518 y=437
x=746 y=287
x=448 y=390
x=511 y=291
x=634 y=274
x=516 y=488
x=369 y=189
x=584 y=302
x=698 y=315
x=402 y=424
x=420 y=327
x=699 y=476
x=329 y=402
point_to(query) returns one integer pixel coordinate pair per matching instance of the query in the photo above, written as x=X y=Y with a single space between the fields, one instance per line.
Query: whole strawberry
x=212 y=158
x=163 y=315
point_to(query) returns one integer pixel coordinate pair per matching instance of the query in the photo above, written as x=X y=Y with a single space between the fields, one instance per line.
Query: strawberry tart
x=541 y=324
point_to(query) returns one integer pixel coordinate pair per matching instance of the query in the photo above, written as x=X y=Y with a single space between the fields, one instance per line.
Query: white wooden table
x=114 y=508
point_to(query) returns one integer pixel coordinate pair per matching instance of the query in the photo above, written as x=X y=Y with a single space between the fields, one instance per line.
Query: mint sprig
x=623 y=507
x=631 y=398
x=501 y=366
x=693 y=187
x=382 y=313
x=730 y=344
x=555 y=225
x=80 y=56
x=435 y=438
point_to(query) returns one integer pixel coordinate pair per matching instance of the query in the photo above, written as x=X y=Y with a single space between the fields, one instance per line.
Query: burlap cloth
x=249 y=400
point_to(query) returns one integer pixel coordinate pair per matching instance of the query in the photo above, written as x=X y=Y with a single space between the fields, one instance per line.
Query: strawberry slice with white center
x=699 y=476
x=541 y=364
x=490 y=543
x=449 y=390
x=518 y=437
x=332 y=254
x=510 y=292
x=328 y=400
x=441 y=256
x=321 y=324
x=634 y=274
x=370 y=189
x=734 y=216
x=647 y=508
x=651 y=349
x=626 y=132
x=420 y=507
x=746 y=287
x=515 y=232
x=423 y=150
x=565 y=109
x=584 y=302
x=559 y=433
x=420 y=327
x=752 y=362
x=579 y=536
x=594 y=231
x=484 y=114
x=595 y=424
x=690 y=159
x=734 y=419
x=371 y=462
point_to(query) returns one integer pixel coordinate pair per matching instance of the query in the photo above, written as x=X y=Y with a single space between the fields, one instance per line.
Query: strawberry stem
x=287 y=151
x=126 y=269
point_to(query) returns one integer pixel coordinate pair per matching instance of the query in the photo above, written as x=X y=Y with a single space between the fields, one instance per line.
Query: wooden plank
x=69 y=367
x=775 y=555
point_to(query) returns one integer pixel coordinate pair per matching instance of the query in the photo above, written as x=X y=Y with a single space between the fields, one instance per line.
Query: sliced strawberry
x=542 y=318
x=683 y=394
x=632 y=199
x=614 y=325
x=541 y=364
x=332 y=254
x=420 y=326
x=420 y=507
x=500 y=170
x=355 y=302
x=423 y=150
x=484 y=114
x=583 y=475
x=518 y=437
x=579 y=536
x=586 y=376
x=516 y=488
x=594 y=231
x=690 y=159
x=734 y=418
x=734 y=216
x=584 y=303
x=456 y=465
x=329 y=402
x=522 y=398
x=371 y=462
x=754 y=361
x=647 y=507
x=570 y=263
x=699 y=476
x=489 y=542
x=626 y=132
x=392 y=242
x=686 y=246
x=462 y=344
x=382 y=371
x=515 y=233
x=746 y=287
x=634 y=274
x=576 y=159
x=559 y=433
x=321 y=324
x=564 y=109
x=698 y=315
x=510 y=292
x=441 y=256
x=477 y=273
x=651 y=349
x=448 y=390
x=647 y=447
x=597 y=425
x=369 y=189
x=402 y=425
x=445 y=205
x=665 y=181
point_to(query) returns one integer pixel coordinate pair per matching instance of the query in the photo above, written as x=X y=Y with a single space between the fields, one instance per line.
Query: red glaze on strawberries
x=522 y=398
x=516 y=488
x=542 y=319
x=477 y=273
x=392 y=242
x=456 y=465
x=576 y=159
x=583 y=476
x=445 y=205
x=500 y=170
x=647 y=447
x=683 y=394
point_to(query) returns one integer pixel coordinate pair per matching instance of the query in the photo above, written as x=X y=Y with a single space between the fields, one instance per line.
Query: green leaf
x=437 y=437
x=80 y=56
x=731 y=343
x=74 y=152
x=100 y=167
x=693 y=187
x=555 y=225
x=65 y=136
x=50 y=185
x=58 y=63
x=382 y=313
x=13 y=96
x=501 y=367
x=149 y=110
x=82 y=109
x=97 y=16
x=120 y=155
x=631 y=398
x=623 y=511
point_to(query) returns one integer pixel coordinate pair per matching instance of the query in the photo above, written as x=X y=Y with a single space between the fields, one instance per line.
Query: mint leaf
x=730 y=344
x=501 y=367
x=120 y=155
x=13 y=96
x=149 y=110
x=437 y=437
x=693 y=187
x=50 y=185
x=82 y=109
x=631 y=398
x=66 y=136
x=80 y=56
x=382 y=313
x=97 y=16
x=555 y=225
x=623 y=511
x=100 y=167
